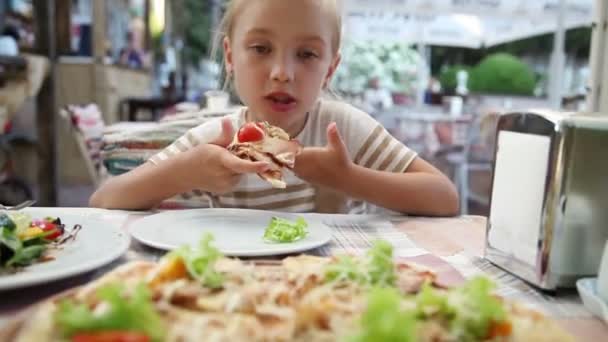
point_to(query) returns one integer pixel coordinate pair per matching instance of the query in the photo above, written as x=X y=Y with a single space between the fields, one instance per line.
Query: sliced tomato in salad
x=52 y=227
x=250 y=132
x=111 y=336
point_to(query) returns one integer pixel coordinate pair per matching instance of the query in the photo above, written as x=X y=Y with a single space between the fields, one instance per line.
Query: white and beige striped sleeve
x=201 y=134
x=375 y=147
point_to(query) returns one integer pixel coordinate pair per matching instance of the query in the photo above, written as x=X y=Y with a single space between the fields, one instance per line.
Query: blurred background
x=90 y=89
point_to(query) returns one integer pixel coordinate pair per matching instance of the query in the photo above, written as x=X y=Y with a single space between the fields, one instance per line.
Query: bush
x=448 y=77
x=502 y=73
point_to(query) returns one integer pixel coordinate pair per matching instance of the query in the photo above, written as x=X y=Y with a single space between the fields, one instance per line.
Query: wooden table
x=441 y=237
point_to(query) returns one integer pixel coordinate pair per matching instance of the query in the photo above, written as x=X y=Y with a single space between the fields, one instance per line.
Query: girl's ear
x=228 y=64
x=332 y=69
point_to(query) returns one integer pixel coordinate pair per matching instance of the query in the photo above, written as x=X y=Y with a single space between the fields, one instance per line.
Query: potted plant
x=395 y=65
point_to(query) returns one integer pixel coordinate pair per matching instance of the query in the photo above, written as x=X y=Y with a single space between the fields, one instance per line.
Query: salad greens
x=469 y=312
x=283 y=231
x=377 y=269
x=134 y=313
x=200 y=261
x=20 y=244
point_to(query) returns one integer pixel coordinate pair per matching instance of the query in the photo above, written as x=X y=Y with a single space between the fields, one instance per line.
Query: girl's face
x=281 y=56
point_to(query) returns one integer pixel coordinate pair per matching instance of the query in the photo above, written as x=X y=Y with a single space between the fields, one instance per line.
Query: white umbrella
x=497 y=8
x=472 y=23
x=457 y=30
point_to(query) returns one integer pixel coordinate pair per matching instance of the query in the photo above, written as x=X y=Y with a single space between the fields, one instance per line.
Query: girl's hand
x=211 y=167
x=327 y=166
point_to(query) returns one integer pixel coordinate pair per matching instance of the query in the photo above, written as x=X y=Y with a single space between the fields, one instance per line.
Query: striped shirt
x=368 y=144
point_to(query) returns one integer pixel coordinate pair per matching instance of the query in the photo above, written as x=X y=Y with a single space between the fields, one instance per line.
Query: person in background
x=432 y=95
x=377 y=98
x=280 y=57
x=130 y=56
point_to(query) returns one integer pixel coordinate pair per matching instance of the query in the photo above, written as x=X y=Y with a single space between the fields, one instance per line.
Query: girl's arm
x=421 y=190
x=142 y=188
x=205 y=167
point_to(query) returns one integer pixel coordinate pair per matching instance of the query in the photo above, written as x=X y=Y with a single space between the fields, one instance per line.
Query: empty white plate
x=237 y=232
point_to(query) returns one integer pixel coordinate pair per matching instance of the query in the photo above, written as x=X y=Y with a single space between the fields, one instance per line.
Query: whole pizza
x=196 y=294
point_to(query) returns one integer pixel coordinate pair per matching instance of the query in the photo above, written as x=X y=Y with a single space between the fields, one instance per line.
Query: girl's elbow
x=452 y=201
x=449 y=199
x=96 y=201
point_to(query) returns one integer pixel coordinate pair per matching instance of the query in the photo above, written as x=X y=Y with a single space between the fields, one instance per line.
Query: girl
x=280 y=56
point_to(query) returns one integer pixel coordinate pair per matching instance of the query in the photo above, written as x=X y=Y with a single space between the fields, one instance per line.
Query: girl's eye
x=260 y=49
x=307 y=54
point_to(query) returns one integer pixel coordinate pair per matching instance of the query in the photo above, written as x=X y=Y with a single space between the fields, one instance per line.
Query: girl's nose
x=282 y=70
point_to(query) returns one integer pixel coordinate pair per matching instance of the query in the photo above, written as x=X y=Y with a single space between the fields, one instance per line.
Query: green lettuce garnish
x=282 y=231
x=200 y=262
x=381 y=267
x=377 y=269
x=384 y=320
x=467 y=312
x=345 y=268
x=474 y=309
x=135 y=313
x=430 y=302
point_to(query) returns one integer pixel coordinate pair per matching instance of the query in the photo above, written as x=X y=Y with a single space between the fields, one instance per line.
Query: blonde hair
x=233 y=9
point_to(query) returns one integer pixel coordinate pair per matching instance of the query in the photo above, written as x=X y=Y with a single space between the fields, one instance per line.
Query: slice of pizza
x=260 y=141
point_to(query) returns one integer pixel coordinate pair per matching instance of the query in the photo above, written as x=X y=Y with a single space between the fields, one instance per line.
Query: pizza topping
x=470 y=313
x=261 y=141
x=116 y=312
x=385 y=320
x=111 y=336
x=171 y=268
x=250 y=132
x=377 y=270
x=474 y=309
x=200 y=262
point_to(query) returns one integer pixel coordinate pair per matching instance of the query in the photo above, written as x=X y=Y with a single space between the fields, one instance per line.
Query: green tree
x=502 y=73
x=193 y=22
x=578 y=43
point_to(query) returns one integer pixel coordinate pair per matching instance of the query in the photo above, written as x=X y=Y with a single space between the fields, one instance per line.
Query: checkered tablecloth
x=563 y=304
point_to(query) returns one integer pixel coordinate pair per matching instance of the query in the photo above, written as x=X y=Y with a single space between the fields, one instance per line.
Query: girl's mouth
x=281 y=102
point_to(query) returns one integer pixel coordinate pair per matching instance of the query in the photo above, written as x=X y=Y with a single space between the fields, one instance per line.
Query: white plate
x=98 y=243
x=587 y=288
x=237 y=232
